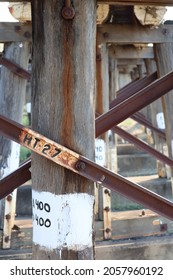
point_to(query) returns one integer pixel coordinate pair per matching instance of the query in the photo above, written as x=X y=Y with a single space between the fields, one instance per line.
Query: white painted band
x=62 y=220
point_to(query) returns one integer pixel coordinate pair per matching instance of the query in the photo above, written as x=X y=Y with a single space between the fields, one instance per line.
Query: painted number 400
x=41 y=207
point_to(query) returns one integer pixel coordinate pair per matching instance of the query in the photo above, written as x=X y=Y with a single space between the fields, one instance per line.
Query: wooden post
x=102 y=106
x=12 y=96
x=164 y=60
x=155 y=109
x=63 y=80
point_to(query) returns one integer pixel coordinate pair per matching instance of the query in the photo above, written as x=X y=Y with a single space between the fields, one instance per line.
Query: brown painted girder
x=134 y=103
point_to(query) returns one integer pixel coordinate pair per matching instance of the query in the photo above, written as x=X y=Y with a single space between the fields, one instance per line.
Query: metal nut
x=68 y=12
x=107 y=230
x=107 y=209
x=9 y=197
x=106 y=191
x=8 y=216
x=80 y=165
x=6 y=239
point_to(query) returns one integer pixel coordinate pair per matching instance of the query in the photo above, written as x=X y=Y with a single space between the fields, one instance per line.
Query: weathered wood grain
x=63 y=82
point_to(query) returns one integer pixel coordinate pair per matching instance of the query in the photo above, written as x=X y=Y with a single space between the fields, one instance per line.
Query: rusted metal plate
x=85 y=167
x=134 y=103
x=47 y=148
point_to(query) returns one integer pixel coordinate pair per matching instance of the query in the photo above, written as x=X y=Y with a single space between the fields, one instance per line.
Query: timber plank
x=137 y=2
x=15 y=32
x=134 y=34
x=124 y=2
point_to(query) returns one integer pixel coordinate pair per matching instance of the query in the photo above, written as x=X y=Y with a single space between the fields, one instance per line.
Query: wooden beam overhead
x=134 y=34
x=132 y=62
x=124 y=2
x=137 y=2
x=130 y=52
x=15 y=32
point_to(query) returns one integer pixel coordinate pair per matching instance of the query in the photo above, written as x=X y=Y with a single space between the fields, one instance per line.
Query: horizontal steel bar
x=15 y=68
x=84 y=167
x=15 y=179
x=134 y=103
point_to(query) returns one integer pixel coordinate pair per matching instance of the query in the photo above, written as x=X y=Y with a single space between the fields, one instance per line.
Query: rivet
x=107 y=209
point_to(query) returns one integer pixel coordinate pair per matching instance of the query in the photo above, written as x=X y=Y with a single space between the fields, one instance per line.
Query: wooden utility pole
x=12 y=97
x=63 y=80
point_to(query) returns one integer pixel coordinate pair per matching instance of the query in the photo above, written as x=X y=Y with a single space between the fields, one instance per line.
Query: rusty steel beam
x=132 y=88
x=15 y=68
x=134 y=103
x=142 y=145
x=15 y=179
x=84 y=167
x=148 y=124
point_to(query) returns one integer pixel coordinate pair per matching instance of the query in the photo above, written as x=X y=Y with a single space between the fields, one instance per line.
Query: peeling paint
x=62 y=221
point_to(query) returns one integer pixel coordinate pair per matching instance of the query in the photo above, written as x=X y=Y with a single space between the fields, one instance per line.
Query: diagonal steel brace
x=84 y=167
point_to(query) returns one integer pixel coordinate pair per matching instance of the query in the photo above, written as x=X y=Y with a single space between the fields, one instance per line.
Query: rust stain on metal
x=48 y=148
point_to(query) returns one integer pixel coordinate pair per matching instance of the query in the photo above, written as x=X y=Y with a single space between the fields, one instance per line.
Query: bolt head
x=68 y=13
x=80 y=165
x=7 y=239
x=9 y=197
x=8 y=216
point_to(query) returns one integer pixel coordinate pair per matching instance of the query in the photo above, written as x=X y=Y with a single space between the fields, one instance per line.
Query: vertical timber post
x=156 y=110
x=63 y=83
x=164 y=60
x=102 y=106
x=12 y=97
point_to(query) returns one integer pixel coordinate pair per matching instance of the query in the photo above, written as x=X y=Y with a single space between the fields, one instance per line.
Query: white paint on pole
x=160 y=120
x=100 y=152
x=62 y=221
